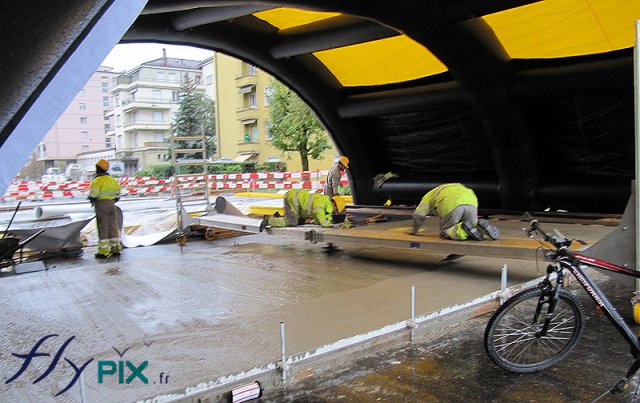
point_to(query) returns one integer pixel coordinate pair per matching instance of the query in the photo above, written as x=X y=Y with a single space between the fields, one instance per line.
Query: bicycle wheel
x=511 y=338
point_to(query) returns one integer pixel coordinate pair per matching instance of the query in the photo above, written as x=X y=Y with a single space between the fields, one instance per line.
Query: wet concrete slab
x=451 y=366
x=211 y=309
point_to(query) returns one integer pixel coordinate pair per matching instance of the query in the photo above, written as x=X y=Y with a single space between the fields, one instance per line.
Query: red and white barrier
x=142 y=186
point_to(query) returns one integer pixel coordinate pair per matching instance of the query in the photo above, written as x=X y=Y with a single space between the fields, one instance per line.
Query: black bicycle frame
x=574 y=263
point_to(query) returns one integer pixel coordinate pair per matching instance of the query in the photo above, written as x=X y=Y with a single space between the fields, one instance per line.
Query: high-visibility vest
x=444 y=198
x=307 y=205
x=104 y=187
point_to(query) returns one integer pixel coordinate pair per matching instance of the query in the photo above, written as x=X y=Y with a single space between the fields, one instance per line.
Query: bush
x=165 y=171
x=272 y=167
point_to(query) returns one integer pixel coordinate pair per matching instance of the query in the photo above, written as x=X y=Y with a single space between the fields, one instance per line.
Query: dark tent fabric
x=528 y=102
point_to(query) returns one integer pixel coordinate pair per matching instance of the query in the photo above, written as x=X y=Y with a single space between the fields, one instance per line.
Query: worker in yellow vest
x=104 y=192
x=457 y=207
x=299 y=205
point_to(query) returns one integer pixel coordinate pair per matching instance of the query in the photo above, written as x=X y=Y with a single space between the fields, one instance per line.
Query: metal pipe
x=412 y=324
x=636 y=86
x=503 y=283
x=83 y=397
x=283 y=358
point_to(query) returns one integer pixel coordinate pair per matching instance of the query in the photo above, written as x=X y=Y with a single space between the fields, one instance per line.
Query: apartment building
x=145 y=100
x=82 y=127
x=242 y=114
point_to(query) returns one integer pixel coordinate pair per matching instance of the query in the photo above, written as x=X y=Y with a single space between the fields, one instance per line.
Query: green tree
x=195 y=116
x=293 y=127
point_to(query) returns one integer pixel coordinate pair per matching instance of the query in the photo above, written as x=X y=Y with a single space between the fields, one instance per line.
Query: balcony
x=247 y=112
x=148 y=103
x=146 y=125
x=246 y=79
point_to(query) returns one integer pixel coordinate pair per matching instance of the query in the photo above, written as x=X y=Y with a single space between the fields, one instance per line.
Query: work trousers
x=107 y=219
x=451 y=224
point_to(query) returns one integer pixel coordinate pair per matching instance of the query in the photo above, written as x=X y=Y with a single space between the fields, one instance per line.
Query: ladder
x=183 y=155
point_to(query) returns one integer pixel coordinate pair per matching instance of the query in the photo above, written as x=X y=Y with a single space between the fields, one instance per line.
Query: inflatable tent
x=530 y=103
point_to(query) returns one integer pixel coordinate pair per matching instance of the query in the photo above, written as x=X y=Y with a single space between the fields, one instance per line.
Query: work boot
x=264 y=223
x=488 y=230
x=473 y=233
x=102 y=256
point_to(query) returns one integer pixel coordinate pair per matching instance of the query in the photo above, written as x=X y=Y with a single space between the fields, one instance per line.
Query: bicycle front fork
x=549 y=297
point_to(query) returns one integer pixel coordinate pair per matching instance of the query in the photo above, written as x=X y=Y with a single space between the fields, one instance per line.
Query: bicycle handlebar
x=557 y=241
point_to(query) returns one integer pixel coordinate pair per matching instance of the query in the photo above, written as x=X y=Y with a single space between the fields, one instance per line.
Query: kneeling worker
x=300 y=205
x=457 y=207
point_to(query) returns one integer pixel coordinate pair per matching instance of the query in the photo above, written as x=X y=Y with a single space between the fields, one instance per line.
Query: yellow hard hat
x=340 y=204
x=344 y=161
x=104 y=164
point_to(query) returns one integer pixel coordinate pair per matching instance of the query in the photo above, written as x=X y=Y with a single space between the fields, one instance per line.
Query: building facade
x=145 y=100
x=242 y=113
x=83 y=126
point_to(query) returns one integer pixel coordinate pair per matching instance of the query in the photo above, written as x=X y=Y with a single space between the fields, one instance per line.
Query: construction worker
x=334 y=175
x=457 y=207
x=299 y=205
x=104 y=192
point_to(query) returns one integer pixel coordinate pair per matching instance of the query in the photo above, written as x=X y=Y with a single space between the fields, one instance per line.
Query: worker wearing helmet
x=104 y=192
x=334 y=175
x=299 y=205
x=457 y=207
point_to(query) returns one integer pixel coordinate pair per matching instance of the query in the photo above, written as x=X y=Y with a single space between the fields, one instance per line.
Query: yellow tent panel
x=384 y=61
x=560 y=28
x=283 y=18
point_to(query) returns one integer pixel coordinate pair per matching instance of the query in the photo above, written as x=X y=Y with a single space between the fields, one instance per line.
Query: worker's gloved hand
x=418 y=220
x=346 y=224
x=92 y=200
x=117 y=199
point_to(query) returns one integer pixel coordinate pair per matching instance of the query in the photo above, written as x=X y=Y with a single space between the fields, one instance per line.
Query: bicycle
x=538 y=327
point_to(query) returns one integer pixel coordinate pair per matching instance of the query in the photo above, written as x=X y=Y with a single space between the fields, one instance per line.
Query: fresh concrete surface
x=212 y=309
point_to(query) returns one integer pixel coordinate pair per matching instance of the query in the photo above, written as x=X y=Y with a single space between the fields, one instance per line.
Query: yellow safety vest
x=444 y=198
x=104 y=187
x=306 y=205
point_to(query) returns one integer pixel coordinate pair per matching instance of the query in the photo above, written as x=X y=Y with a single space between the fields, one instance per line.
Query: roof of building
x=174 y=63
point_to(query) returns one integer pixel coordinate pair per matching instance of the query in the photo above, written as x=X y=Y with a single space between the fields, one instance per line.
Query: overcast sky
x=128 y=56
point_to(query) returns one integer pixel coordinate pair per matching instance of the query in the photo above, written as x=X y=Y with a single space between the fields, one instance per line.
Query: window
x=252 y=100
x=116 y=99
x=158 y=157
x=119 y=142
x=83 y=120
x=249 y=97
x=268 y=93
x=160 y=75
x=82 y=106
x=118 y=121
x=105 y=101
x=250 y=131
x=107 y=142
x=267 y=127
x=105 y=87
x=208 y=79
x=158 y=137
x=157 y=95
x=174 y=96
x=85 y=147
x=81 y=92
x=173 y=77
x=84 y=135
x=158 y=117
